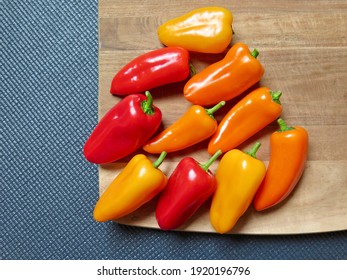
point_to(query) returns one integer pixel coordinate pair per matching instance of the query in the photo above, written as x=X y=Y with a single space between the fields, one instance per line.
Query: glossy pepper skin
x=139 y=182
x=188 y=187
x=238 y=176
x=196 y=125
x=251 y=114
x=204 y=30
x=151 y=70
x=288 y=156
x=123 y=129
x=225 y=79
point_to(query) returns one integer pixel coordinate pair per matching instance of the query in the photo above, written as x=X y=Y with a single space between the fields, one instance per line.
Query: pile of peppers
x=132 y=128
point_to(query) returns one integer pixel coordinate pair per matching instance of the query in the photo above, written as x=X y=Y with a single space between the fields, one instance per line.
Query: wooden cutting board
x=303 y=47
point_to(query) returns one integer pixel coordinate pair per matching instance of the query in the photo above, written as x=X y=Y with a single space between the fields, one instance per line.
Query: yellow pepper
x=238 y=176
x=136 y=184
x=205 y=30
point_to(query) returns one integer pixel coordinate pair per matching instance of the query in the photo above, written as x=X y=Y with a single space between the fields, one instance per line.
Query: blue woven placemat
x=48 y=107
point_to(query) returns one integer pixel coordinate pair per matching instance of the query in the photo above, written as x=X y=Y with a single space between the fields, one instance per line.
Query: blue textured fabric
x=49 y=83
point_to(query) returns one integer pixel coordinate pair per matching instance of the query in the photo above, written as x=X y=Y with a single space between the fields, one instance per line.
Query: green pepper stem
x=255 y=53
x=192 y=69
x=283 y=125
x=160 y=159
x=147 y=105
x=215 y=108
x=252 y=152
x=275 y=95
x=207 y=164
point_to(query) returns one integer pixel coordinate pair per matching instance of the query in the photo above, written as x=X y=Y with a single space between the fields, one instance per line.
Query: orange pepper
x=139 y=182
x=288 y=155
x=225 y=79
x=251 y=114
x=196 y=125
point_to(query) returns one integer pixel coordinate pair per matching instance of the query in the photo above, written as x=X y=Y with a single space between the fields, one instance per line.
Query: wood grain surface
x=303 y=47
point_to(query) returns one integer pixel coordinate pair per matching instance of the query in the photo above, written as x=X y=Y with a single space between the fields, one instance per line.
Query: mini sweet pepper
x=139 y=182
x=123 y=129
x=225 y=79
x=238 y=176
x=188 y=187
x=196 y=125
x=152 y=69
x=205 y=30
x=251 y=114
x=288 y=156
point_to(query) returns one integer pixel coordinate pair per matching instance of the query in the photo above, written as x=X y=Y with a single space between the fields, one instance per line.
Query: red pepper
x=124 y=129
x=151 y=70
x=188 y=187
